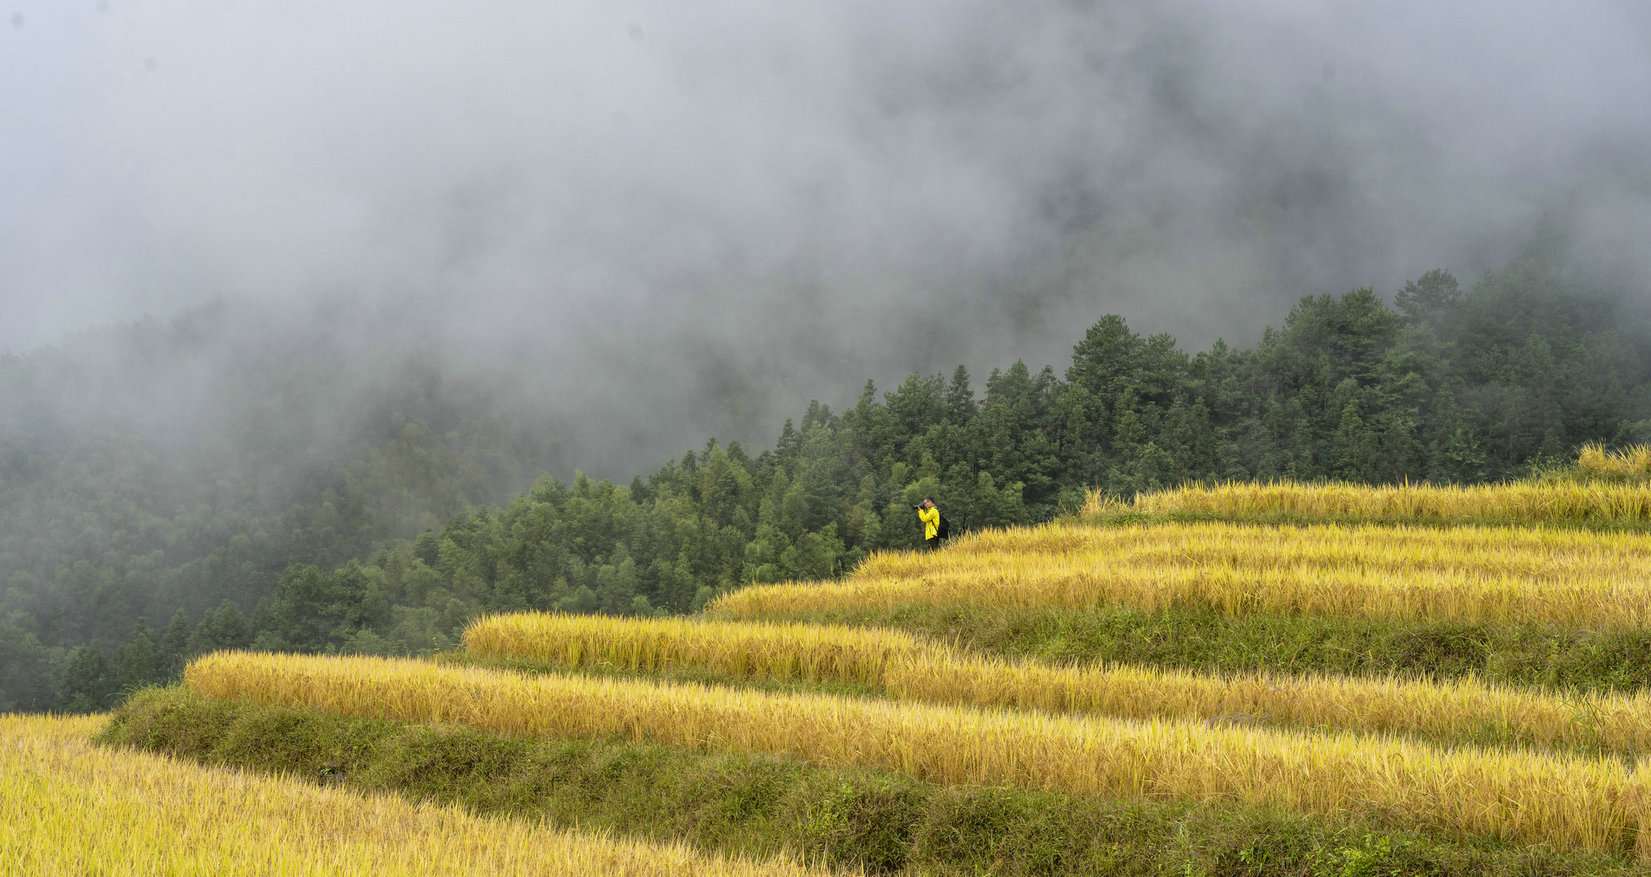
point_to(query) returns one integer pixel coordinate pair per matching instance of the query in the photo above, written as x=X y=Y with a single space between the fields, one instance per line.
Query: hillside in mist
x=532 y=411
x=319 y=494
x=674 y=222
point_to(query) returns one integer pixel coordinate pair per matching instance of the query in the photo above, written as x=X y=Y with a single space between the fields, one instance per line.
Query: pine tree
x=960 y=398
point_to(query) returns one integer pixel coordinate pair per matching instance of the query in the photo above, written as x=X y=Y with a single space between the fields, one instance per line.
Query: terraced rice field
x=908 y=668
x=1589 y=803
x=1490 y=575
x=823 y=721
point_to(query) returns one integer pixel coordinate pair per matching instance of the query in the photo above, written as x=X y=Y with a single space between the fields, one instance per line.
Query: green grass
x=760 y=805
x=1207 y=640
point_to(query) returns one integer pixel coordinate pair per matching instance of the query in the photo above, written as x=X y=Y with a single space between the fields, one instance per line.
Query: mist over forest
x=687 y=221
x=297 y=300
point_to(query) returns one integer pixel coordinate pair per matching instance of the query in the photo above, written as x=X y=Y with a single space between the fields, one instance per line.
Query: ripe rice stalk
x=70 y=809
x=913 y=669
x=1568 y=801
x=1632 y=463
x=1566 y=503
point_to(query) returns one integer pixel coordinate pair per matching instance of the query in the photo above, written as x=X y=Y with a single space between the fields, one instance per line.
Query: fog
x=664 y=220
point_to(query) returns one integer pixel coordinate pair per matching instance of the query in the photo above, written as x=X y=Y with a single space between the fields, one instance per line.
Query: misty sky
x=666 y=207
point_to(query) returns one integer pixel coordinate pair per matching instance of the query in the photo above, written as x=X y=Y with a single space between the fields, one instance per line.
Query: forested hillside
x=104 y=537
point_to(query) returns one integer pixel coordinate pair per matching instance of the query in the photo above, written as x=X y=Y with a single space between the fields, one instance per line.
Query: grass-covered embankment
x=752 y=805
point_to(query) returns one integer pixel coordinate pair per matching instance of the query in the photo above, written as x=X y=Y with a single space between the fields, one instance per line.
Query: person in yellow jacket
x=934 y=527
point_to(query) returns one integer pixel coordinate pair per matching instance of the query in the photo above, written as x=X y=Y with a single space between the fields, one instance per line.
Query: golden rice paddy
x=1568 y=801
x=69 y=809
x=908 y=668
x=1483 y=575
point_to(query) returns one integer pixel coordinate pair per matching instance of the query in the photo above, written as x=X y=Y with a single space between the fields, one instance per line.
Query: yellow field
x=1513 y=503
x=909 y=668
x=1571 y=802
x=1550 y=578
x=68 y=809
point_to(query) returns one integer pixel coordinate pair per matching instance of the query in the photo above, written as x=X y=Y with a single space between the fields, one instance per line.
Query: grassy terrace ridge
x=1579 y=501
x=750 y=805
x=88 y=810
x=1241 y=569
x=907 y=668
x=1571 y=802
